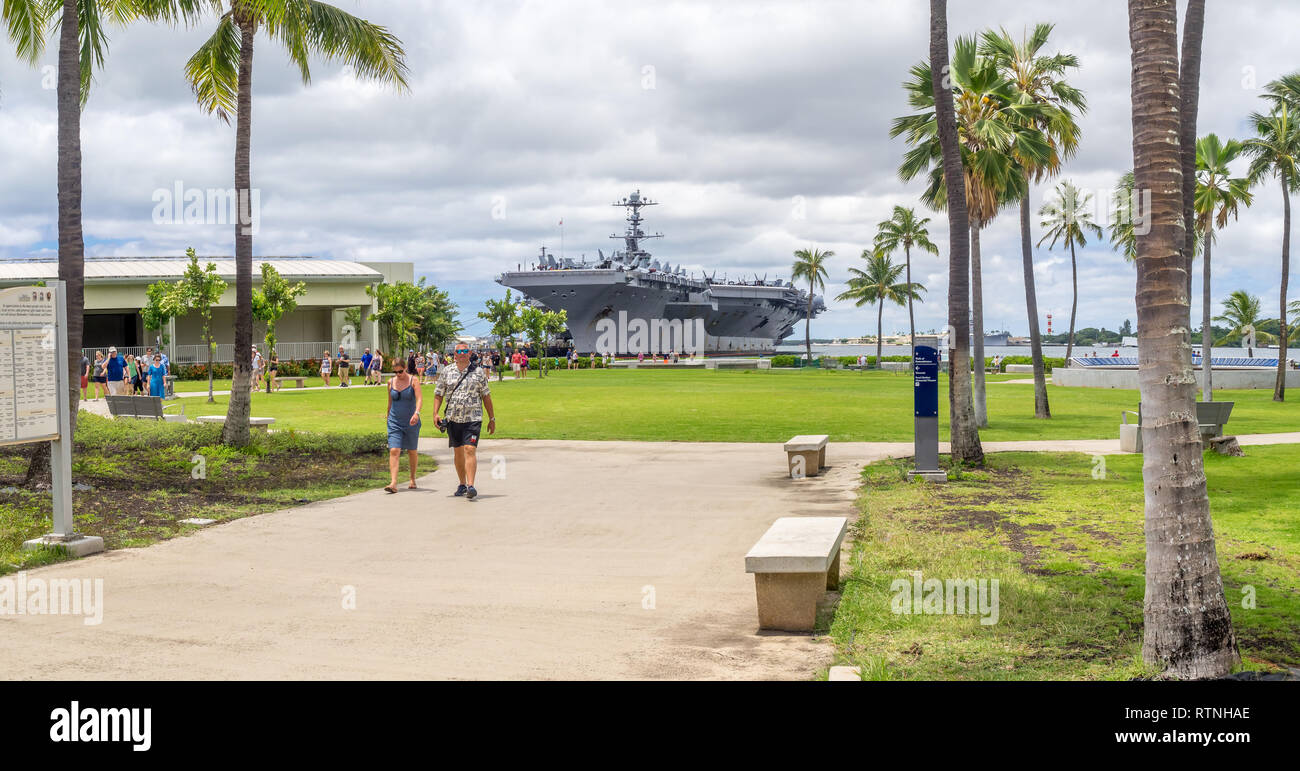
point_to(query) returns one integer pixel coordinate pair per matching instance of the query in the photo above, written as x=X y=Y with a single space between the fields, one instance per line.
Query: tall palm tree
x=877 y=284
x=1039 y=79
x=964 y=429
x=1189 y=85
x=1121 y=225
x=1068 y=220
x=1187 y=628
x=1218 y=196
x=810 y=264
x=995 y=129
x=221 y=76
x=1241 y=314
x=905 y=229
x=1274 y=152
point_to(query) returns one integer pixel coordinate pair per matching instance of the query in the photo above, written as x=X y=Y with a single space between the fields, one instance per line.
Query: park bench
x=143 y=407
x=1211 y=417
x=806 y=454
x=795 y=561
x=300 y=382
x=259 y=423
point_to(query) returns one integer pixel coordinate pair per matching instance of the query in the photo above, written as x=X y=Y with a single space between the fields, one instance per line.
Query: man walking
x=365 y=365
x=465 y=389
x=116 y=372
x=344 y=367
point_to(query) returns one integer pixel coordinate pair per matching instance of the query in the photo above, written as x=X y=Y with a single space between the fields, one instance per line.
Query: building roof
x=149 y=269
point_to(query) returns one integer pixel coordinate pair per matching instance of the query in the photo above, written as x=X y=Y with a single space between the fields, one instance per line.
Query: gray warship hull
x=737 y=319
x=628 y=303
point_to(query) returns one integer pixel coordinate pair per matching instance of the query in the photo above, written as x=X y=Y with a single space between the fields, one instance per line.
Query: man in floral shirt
x=464 y=418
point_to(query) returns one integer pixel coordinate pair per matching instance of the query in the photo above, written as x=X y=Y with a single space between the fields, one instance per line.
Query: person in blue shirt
x=157 y=377
x=115 y=371
x=366 y=358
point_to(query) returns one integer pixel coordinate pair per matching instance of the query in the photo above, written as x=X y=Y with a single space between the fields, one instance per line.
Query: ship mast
x=633 y=253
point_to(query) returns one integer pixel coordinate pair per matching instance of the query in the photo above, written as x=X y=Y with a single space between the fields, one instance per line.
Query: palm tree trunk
x=1189 y=83
x=807 y=324
x=1207 y=333
x=1279 y=388
x=1187 y=626
x=977 y=311
x=1074 y=304
x=236 y=429
x=964 y=428
x=911 y=317
x=1041 y=407
x=880 y=329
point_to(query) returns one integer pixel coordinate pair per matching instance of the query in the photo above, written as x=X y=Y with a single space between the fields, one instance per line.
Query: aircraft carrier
x=620 y=303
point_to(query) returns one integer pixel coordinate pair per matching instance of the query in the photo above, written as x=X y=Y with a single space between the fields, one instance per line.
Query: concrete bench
x=299 y=382
x=1211 y=417
x=806 y=454
x=143 y=407
x=259 y=423
x=795 y=561
x=1023 y=369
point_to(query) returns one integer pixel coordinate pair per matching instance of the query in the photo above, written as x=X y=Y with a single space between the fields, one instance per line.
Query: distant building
x=116 y=291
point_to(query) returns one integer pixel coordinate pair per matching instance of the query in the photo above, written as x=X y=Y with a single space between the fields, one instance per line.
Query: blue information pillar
x=925 y=397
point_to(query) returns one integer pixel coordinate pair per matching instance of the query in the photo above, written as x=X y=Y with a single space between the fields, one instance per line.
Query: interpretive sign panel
x=29 y=397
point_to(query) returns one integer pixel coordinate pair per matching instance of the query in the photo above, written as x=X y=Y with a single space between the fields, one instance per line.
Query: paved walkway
x=586 y=560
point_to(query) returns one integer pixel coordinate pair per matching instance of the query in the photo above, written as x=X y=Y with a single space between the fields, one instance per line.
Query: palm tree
x=810 y=264
x=1121 y=226
x=1039 y=79
x=1218 y=196
x=1241 y=314
x=995 y=129
x=878 y=283
x=1187 y=628
x=905 y=229
x=1274 y=151
x=1189 y=79
x=221 y=76
x=964 y=431
x=1068 y=220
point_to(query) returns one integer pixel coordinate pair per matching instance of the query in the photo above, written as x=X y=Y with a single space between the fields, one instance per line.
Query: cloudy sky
x=762 y=127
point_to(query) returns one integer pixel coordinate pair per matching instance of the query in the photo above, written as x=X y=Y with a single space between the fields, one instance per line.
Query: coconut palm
x=1187 y=629
x=877 y=284
x=1039 y=79
x=964 y=430
x=1219 y=195
x=221 y=75
x=995 y=129
x=1189 y=86
x=1066 y=219
x=905 y=229
x=1241 y=314
x=810 y=264
x=1274 y=152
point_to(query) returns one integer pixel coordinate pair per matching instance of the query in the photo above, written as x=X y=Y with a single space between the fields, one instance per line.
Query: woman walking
x=157 y=378
x=404 y=403
x=325 y=367
x=133 y=373
x=273 y=373
x=101 y=376
x=373 y=377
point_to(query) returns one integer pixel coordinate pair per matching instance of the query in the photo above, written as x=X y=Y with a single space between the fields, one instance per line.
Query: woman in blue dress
x=404 y=403
x=157 y=378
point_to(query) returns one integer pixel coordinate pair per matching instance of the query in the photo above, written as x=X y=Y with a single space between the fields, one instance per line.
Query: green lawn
x=1067 y=549
x=745 y=406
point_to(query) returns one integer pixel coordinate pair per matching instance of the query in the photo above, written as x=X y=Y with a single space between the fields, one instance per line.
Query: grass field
x=744 y=406
x=1068 y=552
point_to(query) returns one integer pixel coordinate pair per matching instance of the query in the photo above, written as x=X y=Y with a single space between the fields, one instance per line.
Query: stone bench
x=806 y=454
x=795 y=561
x=260 y=423
x=1023 y=369
x=300 y=382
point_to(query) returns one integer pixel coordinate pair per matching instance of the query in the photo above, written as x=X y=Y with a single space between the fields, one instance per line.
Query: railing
x=225 y=352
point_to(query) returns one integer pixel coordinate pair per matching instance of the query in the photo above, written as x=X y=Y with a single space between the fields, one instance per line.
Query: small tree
x=197 y=292
x=540 y=325
x=504 y=317
x=158 y=310
x=276 y=298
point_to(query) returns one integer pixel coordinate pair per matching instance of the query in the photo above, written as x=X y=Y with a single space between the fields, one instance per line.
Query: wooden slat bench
x=795 y=561
x=143 y=407
x=260 y=423
x=806 y=454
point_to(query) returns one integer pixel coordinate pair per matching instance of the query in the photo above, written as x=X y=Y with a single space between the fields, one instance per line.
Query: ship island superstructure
x=609 y=302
